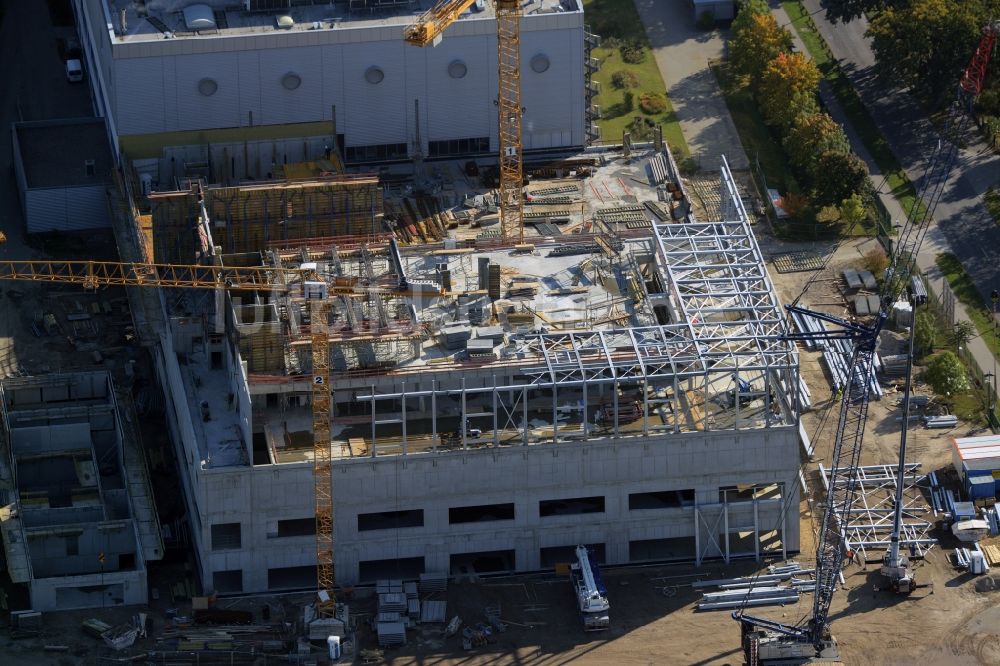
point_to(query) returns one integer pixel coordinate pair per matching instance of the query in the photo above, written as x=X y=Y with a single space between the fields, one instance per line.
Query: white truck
x=591 y=595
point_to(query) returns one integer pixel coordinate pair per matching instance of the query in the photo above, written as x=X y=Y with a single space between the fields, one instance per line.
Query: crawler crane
x=769 y=642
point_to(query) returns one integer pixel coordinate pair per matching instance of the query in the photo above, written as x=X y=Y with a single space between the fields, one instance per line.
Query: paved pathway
x=682 y=53
x=937 y=240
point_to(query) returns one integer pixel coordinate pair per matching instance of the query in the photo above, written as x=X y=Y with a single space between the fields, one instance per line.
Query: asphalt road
x=962 y=219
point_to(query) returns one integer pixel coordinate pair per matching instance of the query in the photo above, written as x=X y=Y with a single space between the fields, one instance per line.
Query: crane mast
x=427 y=31
x=769 y=641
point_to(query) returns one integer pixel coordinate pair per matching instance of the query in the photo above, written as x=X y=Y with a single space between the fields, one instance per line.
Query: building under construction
x=617 y=380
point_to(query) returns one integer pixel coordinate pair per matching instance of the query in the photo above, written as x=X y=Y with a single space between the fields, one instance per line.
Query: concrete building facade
x=155 y=77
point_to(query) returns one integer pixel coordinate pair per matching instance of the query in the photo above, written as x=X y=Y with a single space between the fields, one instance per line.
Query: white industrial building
x=180 y=73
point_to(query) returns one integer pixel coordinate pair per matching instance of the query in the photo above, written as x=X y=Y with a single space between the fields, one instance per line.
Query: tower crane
x=427 y=31
x=94 y=274
x=766 y=641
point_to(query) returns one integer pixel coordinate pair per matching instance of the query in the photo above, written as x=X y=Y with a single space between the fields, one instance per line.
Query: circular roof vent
x=291 y=81
x=457 y=69
x=540 y=63
x=207 y=87
x=374 y=75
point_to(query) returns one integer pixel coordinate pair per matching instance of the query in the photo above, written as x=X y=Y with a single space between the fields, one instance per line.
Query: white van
x=74 y=71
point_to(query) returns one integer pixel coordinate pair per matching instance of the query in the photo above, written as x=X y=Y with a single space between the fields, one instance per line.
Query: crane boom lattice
x=509 y=105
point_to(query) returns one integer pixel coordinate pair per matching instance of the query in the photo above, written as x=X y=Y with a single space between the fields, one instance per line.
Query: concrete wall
x=115 y=588
x=153 y=86
x=524 y=475
x=66 y=209
x=257 y=498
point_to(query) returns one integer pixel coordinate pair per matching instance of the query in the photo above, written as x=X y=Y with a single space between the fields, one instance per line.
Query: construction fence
x=984 y=382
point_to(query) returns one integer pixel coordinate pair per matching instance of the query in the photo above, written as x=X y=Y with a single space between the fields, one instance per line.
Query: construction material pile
x=776 y=588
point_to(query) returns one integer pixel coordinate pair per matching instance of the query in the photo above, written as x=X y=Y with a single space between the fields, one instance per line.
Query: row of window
x=381 y=152
x=228 y=536
x=384 y=520
x=480 y=144
x=485 y=562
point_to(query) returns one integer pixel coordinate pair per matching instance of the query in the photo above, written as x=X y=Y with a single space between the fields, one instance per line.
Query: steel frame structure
x=729 y=322
x=869 y=521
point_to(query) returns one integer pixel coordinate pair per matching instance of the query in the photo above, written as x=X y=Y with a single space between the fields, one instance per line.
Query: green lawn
x=862 y=122
x=617 y=21
x=992 y=200
x=965 y=291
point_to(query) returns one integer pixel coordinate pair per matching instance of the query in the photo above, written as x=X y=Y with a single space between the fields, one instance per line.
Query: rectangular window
x=376 y=152
x=481 y=513
x=570 y=506
x=493 y=561
x=667 y=499
x=292 y=578
x=228 y=582
x=72 y=545
x=759 y=491
x=89 y=167
x=404 y=567
x=296 y=527
x=388 y=520
x=458 y=146
x=651 y=550
x=226 y=536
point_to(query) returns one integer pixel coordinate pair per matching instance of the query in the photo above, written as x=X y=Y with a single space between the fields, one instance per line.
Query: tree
x=838 y=176
x=757 y=39
x=811 y=135
x=787 y=88
x=946 y=374
x=925 y=333
x=926 y=44
x=853 y=211
x=961 y=333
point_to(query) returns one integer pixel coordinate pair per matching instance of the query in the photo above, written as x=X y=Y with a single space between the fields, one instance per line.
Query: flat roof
x=56 y=153
x=166 y=19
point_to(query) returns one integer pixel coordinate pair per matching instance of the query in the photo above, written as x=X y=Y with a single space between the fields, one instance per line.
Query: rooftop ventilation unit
x=199 y=17
x=267 y=5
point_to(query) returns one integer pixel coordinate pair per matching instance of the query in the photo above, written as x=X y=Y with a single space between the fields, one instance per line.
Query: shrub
x=946 y=374
x=795 y=204
x=632 y=52
x=652 y=103
x=875 y=261
x=706 y=21
x=628 y=103
x=624 y=78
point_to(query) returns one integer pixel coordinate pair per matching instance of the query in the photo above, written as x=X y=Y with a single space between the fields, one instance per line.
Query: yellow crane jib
x=430 y=25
